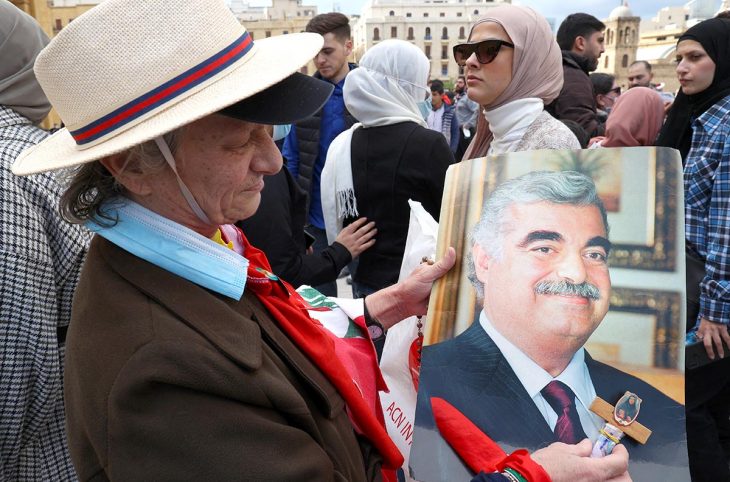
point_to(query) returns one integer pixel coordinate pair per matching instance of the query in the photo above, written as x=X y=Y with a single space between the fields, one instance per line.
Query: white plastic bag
x=399 y=405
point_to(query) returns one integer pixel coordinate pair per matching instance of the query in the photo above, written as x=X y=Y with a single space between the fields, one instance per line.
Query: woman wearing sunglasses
x=513 y=68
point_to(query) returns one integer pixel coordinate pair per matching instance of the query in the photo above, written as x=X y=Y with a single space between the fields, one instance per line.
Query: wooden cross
x=634 y=429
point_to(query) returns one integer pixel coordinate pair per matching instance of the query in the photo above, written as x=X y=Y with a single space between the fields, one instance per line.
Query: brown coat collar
x=238 y=337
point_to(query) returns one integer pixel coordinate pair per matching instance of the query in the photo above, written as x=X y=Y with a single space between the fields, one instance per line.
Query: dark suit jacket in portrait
x=470 y=372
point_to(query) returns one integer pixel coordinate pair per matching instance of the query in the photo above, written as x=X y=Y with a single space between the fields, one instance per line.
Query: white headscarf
x=385 y=89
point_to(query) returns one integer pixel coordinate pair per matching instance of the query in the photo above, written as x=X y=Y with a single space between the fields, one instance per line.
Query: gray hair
x=90 y=186
x=561 y=187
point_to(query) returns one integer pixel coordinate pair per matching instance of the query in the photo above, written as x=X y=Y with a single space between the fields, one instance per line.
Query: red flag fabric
x=478 y=451
x=289 y=311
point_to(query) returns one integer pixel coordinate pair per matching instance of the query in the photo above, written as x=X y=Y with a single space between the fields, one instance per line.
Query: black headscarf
x=714 y=36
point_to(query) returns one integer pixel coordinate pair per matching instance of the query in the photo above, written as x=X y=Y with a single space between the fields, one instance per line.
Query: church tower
x=621 y=42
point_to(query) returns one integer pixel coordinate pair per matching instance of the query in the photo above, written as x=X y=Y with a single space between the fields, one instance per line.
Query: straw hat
x=130 y=70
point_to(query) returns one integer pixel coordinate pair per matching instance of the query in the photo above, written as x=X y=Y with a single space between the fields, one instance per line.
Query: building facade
x=434 y=26
x=54 y=15
x=621 y=42
x=281 y=18
x=656 y=42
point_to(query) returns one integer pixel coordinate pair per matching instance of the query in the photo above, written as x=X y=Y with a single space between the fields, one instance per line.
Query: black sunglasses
x=486 y=50
x=616 y=90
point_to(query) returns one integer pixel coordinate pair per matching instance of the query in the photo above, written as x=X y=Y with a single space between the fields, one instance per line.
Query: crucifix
x=620 y=421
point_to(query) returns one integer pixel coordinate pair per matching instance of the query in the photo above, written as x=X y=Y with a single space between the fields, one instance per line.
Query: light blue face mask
x=175 y=248
x=281 y=131
x=425 y=107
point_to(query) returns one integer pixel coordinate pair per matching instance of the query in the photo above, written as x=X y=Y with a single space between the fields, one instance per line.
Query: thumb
x=440 y=267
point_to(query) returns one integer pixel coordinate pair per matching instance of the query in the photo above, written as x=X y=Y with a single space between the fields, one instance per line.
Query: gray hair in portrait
x=558 y=187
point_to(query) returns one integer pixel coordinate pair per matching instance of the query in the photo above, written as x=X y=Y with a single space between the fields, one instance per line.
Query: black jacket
x=277 y=229
x=577 y=101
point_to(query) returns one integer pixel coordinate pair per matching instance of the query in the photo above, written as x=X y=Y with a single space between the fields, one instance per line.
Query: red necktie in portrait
x=562 y=399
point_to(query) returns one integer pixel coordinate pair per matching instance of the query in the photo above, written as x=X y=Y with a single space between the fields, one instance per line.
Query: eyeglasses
x=616 y=90
x=486 y=50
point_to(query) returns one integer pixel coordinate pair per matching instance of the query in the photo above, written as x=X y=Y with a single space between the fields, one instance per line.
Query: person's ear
x=579 y=44
x=129 y=175
x=348 y=46
x=482 y=261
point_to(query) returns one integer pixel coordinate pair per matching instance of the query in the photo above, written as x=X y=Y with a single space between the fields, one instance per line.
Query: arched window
x=608 y=36
x=410 y=33
x=461 y=32
x=625 y=61
x=444 y=33
x=391 y=13
x=393 y=32
x=376 y=33
x=605 y=62
x=626 y=34
x=476 y=12
x=428 y=34
x=620 y=37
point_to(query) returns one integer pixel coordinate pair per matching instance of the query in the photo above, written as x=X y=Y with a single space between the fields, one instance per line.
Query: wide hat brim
x=284 y=99
x=294 y=98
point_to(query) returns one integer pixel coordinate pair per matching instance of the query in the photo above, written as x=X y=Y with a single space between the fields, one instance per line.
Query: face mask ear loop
x=167 y=154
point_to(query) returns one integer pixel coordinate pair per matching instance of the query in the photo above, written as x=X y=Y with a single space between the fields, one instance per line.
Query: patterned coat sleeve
x=40 y=259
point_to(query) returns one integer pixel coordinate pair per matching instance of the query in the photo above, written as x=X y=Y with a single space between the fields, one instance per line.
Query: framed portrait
x=588 y=295
x=640 y=188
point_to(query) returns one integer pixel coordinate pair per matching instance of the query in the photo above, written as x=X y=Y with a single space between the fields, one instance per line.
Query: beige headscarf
x=21 y=39
x=537 y=66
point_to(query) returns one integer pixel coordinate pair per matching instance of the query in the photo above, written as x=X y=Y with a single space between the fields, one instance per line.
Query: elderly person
x=513 y=69
x=187 y=358
x=40 y=262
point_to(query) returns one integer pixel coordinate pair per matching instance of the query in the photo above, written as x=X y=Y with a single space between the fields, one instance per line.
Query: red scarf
x=288 y=310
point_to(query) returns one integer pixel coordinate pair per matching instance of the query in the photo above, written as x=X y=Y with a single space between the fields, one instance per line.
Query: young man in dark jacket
x=305 y=148
x=580 y=37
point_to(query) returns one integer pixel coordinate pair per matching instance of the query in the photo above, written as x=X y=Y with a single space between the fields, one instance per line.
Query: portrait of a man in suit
x=520 y=372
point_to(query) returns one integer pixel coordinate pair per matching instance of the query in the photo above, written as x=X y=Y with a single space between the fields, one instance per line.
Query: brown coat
x=167 y=381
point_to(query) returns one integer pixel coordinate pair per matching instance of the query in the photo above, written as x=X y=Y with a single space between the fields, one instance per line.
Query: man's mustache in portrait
x=566 y=288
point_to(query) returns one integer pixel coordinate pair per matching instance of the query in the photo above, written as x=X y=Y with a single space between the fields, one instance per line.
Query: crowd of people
x=201 y=179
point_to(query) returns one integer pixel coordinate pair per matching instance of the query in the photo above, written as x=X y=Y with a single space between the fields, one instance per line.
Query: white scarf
x=510 y=121
x=384 y=90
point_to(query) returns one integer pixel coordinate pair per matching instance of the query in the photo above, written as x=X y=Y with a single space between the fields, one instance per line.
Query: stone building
x=53 y=15
x=656 y=41
x=621 y=42
x=281 y=18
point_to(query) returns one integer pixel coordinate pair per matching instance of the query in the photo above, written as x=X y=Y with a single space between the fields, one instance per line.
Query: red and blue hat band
x=165 y=93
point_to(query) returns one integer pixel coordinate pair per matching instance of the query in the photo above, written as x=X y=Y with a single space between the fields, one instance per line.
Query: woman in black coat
x=374 y=168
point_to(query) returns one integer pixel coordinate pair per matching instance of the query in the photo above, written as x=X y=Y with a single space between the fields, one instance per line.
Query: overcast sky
x=557 y=9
